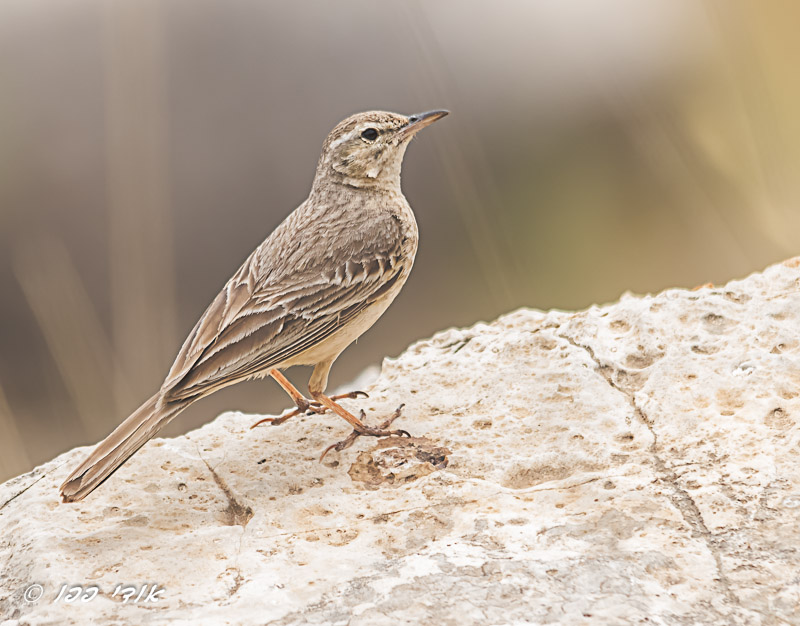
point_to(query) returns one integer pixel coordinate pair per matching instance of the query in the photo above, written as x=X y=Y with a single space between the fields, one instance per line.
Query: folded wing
x=250 y=328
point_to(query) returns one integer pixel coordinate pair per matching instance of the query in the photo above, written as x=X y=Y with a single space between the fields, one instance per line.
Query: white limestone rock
x=632 y=463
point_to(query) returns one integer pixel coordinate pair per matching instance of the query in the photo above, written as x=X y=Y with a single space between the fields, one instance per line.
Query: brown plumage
x=321 y=279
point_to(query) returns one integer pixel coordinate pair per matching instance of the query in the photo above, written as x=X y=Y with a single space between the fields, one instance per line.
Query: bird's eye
x=370 y=134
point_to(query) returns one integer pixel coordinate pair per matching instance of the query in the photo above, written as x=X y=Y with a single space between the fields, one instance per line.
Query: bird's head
x=366 y=149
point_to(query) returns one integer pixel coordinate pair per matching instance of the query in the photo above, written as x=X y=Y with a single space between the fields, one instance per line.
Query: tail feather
x=118 y=447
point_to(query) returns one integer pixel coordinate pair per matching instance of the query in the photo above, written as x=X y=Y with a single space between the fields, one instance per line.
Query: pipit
x=321 y=279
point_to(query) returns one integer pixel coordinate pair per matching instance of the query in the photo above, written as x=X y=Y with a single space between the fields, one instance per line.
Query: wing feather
x=263 y=334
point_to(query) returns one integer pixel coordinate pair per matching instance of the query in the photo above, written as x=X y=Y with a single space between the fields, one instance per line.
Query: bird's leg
x=308 y=405
x=298 y=398
x=316 y=387
x=303 y=404
x=359 y=428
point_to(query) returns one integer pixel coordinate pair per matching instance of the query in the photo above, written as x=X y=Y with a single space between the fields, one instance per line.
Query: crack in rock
x=23 y=490
x=236 y=513
x=679 y=497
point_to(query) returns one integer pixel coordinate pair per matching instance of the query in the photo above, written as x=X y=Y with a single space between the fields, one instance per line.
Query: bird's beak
x=419 y=121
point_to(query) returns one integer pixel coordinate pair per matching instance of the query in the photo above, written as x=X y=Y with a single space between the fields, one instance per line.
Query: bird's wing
x=224 y=309
x=251 y=327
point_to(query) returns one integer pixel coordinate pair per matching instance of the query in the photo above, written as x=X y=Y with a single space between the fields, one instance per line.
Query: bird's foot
x=308 y=407
x=381 y=431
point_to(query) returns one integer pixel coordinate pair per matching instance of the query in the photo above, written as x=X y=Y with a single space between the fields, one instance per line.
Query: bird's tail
x=118 y=447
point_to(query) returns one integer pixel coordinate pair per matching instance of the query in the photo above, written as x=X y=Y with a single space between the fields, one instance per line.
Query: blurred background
x=147 y=146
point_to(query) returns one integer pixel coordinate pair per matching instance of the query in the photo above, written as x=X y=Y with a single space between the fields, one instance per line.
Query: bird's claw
x=350 y=395
x=272 y=420
x=309 y=409
x=380 y=431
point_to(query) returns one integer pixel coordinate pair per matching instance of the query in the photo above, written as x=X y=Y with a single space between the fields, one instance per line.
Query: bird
x=312 y=287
